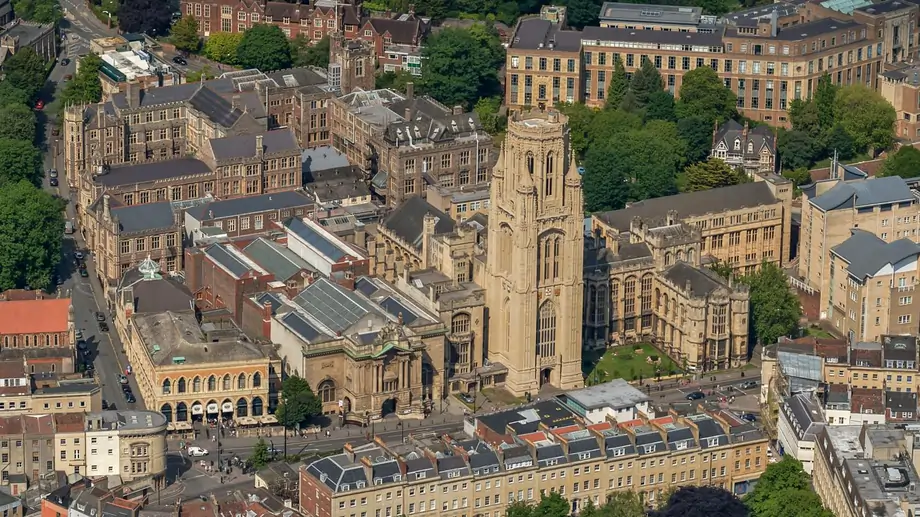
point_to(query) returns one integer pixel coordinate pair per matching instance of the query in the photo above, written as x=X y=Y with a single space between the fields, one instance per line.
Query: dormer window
x=268 y=19
x=651 y=448
x=387 y=40
x=421 y=475
x=750 y=147
x=713 y=442
x=680 y=445
x=619 y=452
x=378 y=481
x=397 y=477
x=737 y=144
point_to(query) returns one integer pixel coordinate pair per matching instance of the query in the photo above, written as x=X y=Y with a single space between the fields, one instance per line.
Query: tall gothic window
x=546 y=330
x=548 y=182
x=550 y=257
x=505 y=249
x=528 y=159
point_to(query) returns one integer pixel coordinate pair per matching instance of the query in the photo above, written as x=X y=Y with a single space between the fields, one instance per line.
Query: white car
x=194 y=451
x=78 y=255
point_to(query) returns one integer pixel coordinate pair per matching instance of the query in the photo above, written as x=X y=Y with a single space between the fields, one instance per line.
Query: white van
x=195 y=451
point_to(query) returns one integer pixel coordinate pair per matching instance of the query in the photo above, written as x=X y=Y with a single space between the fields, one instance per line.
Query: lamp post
x=110 y=18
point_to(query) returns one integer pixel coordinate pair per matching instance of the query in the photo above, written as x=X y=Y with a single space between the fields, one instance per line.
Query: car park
x=696 y=395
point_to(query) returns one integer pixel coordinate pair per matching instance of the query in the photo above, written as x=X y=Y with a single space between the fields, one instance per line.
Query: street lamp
x=110 y=18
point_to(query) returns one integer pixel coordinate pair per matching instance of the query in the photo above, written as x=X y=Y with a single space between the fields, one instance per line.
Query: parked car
x=65 y=62
x=122 y=379
x=126 y=388
x=749 y=417
x=100 y=316
x=82 y=345
x=179 y=60
x=39 y=105
x=196 y=451
x=129 y=398
x=53 y=182
x=748 y=385
x=55 y=131
x=83 y=272
x=466 y=397
x=68 y=77
x=129 y=370
x=696 y=395
x=53 y=173
x=78 y=255
x=78 y=334
x=103 y=326
x=105 y=404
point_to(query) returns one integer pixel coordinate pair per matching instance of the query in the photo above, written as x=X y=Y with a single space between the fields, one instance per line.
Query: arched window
x=180 y=386
x=460 y=324
x=257 y=380
x=196 y=384
x=226 y=383
x=327 y=390
x=550 y=176
x=546 y=330
x=241 y=382
x=528 y=160
x=680 y=255
x=550 y=257
x=212 y=383
x=691 y=256
x=167 y=387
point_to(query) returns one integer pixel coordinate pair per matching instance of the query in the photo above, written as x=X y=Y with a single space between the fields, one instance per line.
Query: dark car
x=748 y=385
x=65 y=62
x=179 y=60
x=696 y=395
x=100 y=316
x=126 y=388
x=129 y=398
x=749 y=417
x=103 y=326
x=53 y=182
x=83 y=272
x=105 y=404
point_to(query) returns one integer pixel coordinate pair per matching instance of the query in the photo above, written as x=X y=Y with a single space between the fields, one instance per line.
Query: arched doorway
x=226 y=408
x=181 y=412
x=545 y=376
x=197 y=411
x=242 y=407
x=346 y=405
x=257 y=406
x=388 y=407
x=166 y=409
x=213 y=409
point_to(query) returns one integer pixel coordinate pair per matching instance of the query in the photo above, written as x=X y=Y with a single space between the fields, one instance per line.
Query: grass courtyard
x=627 y=362
x=817 y=332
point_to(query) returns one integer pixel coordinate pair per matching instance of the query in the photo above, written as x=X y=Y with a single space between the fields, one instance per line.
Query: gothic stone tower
x=535 y=256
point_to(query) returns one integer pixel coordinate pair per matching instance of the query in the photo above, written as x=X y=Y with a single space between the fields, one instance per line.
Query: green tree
x=785 y=489
x=460 y=66
x=798 y=177
x=520 y=508
x=552 y=505
x=607 y=125
x=19 y=160
x=646 y=81
x=151 y=17
x=723 y=269
x=904 y=163
x=702 y=501
x=395 y=80
x=580 y=118
x=605 y=186
x=298 y=403
x=31 y=225
x=619 y=84
x=25 y=70
x=184 y=34
x=40 y=11
x=804 y=116
x=837 y=139
x=630 y=103
x=581 y=13
x=775 y=309
x=866 y=116
x=17 y=122
x=85 y=87
x=9 y=94
x=696 y=132
x=265 y=48
x=305 y=53
x=713 y=173
x=488 y=110
x=660 y=106
x=797 y=148
x=623 y=504
x=825 y=102
x=703 y=95
x=260 y=456
x=642 y=161
x=222 y=47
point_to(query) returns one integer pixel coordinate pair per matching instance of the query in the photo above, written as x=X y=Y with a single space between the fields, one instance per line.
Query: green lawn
x=818 y=332
x=624 y=362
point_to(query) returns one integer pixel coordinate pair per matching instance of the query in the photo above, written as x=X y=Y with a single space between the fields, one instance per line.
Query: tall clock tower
x=535 y=256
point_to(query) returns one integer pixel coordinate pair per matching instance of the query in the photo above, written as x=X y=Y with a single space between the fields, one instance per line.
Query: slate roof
x=618 y=444
x=864 y=193
x=249 y=205
x=430 y=122
x=281 y=141
x=454 y=464
x=866 y=253
x=711 y=433
x=338 y=473
x=301 y=326
x=803 y=413
x=760 y=136
x=901 y=402
x=229 y=260
x=593 y=33
x=701 y=282
x=649 y=441
x=215 y=107
x=533 y=32
x=153 y=171
x=402 y=32
x=681 y=437
x=320 y=243
x=484 y=462
x=692 y=204
x=319 y=159
x=276 y=259
x=419 y=468
x=406 y=221
x=526 y=419
x=144 y=218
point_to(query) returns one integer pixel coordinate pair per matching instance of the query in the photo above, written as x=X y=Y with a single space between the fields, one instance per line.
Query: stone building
x=750 y=150
x=535 y=252
x=19 y=34
x=254 y=164
x=649 y=283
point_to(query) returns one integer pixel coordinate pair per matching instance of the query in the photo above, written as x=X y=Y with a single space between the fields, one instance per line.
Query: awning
x=246 y=420
x=183 y=426
x=212 y=407
x=269 y=419
x=197 y=409
x=227 y=407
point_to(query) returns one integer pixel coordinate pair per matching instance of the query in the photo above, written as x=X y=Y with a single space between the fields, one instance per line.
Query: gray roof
x=534 y=32
x=321 y=158
x=215 y=107
x=300 y=326
x=864 y=193
x=152 y=171
x=227 y=259
x=249 y=205
x=703 y=39
x=815 y=28
x=657 y=14
x=803 y=413
x=276 y=259
x=144 y=218
x=866 y=253
x=614 y=394
x=244 y=146
x=159 y=96
x=702 y=283
x=692 y=204
x=761 y=136
x=407 y=220
x=338 y=472
x=332 y=305
x=316 y=240
x=157 y=295
x=709 y=429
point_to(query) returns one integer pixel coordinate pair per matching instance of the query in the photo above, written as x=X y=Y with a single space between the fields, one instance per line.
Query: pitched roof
x=152 y=171
x=215 y=107
x=142 y=218
x=682 y=274
x=35 y=316
x=864 y=193
x=276 y=259
x=333 y=306
x=534 y=32
x=866 y=253
x=249 y=205
x=244 y=146
x=691 y=204
x=232 y=261
x=402 y=32
x=406 y=221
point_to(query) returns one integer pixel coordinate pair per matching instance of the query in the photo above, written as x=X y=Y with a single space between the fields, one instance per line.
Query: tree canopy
x=461 y=65
x=222 y=47
x=31 y=225
x=305 y=53
x=17 y=122
x=904 y=163
x=85 y=87
x=619 y=84
x=702 y=501
x=151 y=17
x=25 y=71
x=394 y=80
x=703 y=95
x=646 y=81
x=775 y=309
x=260 y=456
x=298 y=403
x=785 y=489
x=713 y=173
x=264 y=47
x=184 y=34
x=19 y=161
x=40 y=11
x=866 y=116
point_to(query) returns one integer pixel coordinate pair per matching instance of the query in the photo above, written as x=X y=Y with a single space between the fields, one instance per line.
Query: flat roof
x=614 y=394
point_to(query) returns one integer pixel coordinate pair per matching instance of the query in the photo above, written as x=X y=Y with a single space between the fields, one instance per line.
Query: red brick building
x=315 y=22
x=222 y=277
x=397 y=41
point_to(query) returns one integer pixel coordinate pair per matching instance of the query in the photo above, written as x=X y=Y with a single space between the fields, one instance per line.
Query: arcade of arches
x=196 y=397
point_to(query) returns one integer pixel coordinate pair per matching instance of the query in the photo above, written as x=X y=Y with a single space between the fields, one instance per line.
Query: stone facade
x=535 y=255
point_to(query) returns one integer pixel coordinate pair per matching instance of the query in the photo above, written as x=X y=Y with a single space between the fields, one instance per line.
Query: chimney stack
x=259 y=145
x=236 y=101
x=267 y=320
x=106 y=206
x=410 y=90
x=408 y=113
x=133 y=95
x=458 y=110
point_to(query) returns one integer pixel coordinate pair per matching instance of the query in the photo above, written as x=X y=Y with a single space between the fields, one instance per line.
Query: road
x=104 y=348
